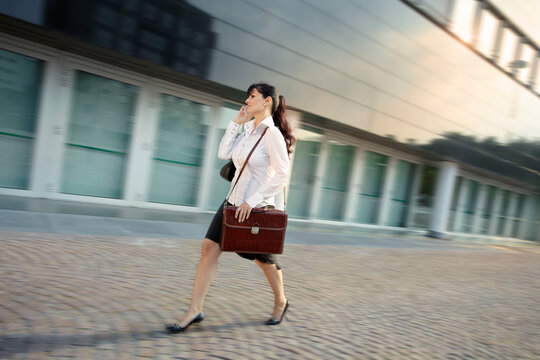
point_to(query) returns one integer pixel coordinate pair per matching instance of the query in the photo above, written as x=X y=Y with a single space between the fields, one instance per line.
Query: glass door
x=369 y=198
x=306 y=158
x=98 y=137
x=20 y=83
x=335 y=181
x=178 y=154
x=401 y=194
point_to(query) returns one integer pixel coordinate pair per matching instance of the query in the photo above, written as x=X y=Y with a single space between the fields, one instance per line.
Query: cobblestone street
x=107 y=297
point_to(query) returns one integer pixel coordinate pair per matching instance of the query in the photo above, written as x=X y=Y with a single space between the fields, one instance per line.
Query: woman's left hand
x=242 y=212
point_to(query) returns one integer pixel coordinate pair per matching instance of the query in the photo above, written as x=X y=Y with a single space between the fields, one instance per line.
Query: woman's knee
x=210 y=249
x=265 y=266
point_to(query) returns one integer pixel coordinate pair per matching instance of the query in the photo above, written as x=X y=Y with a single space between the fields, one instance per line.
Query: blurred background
x=410 y=115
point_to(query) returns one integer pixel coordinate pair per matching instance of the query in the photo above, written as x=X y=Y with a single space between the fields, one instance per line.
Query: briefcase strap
x=245 y=162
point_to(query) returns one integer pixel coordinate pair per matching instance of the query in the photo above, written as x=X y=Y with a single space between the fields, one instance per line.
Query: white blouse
x=267 y=171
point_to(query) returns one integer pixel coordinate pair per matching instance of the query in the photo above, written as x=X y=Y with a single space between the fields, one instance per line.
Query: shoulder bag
x=227 y=171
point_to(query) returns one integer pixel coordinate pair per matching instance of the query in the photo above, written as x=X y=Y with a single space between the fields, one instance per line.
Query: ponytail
x=280 y=120
x=279 y=115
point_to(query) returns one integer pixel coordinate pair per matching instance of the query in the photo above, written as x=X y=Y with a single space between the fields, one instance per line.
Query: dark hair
x=278 y=111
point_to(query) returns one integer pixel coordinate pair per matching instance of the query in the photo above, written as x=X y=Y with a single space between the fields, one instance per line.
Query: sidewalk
x=107 y=297
x=100 y=283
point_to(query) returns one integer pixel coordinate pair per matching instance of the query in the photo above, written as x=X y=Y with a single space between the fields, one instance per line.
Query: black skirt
x=214 y=233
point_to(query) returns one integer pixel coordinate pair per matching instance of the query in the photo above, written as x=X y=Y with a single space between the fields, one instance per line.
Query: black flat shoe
x=273 y=321
x=175 y=328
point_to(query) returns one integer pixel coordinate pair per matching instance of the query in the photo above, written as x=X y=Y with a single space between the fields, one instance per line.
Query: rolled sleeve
x=228 y=141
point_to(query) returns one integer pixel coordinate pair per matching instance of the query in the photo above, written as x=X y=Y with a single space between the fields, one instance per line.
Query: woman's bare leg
x=275 y=279
x=206 y=270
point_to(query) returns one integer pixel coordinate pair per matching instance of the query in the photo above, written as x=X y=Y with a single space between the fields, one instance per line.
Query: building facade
x=400 y=124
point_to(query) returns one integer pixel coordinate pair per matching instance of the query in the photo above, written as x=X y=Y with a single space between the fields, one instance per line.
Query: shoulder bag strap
x=245 y=162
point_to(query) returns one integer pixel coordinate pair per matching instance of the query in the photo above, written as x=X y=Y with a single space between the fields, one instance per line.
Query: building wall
x=98 y=133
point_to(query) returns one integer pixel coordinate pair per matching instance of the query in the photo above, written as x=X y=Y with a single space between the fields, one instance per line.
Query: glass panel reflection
x=369 y=199
x=171 y=33
x=503 y=212
x=20 y=83
x=335 y=181
x=470 y=205
x=306 y=157
x=488 y=209
x=424 y=202
x=178 y=151
x=98 y=136
x=518 y=216
x=401 y=194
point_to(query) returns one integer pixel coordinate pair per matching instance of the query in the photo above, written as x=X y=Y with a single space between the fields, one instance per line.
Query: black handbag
x=227 y=171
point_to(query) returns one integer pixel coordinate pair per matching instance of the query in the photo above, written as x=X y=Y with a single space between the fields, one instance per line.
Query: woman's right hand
x=241 y=117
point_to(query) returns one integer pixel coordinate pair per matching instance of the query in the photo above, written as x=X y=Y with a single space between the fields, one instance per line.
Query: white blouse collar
x=268 y=122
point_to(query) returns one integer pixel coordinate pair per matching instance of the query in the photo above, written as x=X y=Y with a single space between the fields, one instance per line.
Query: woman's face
x=255 y=103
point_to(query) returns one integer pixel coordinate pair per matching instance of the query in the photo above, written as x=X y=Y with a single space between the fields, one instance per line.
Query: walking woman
x=261 y=184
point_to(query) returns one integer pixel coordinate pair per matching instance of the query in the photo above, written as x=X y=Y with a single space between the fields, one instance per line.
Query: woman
x=261 y=183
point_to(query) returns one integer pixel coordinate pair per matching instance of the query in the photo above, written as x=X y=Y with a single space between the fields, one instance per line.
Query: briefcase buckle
x=254 y=230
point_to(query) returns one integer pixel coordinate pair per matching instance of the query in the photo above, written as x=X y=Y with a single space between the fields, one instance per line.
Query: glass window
x=518 y=216
x=503 y=213
x=401 y=194
x=469 y=206
x=424 y=201
x=371 y=190
x=20 y=82
x=98 y=136
x=488 y=209
x=178 y=153
x=335 y=181
x=306 y=157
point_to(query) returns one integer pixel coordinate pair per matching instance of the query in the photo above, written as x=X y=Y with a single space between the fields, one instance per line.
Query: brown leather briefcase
x=262 y=233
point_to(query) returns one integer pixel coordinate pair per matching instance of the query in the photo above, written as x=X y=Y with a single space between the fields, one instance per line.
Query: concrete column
x=388 y=190
x=497 y=43
x=517 y=56
x=510 y=215
x=209 y=158
x=477 y=20
x=52 y=125
x=317 y=185
x=534 y=69
x=450 y=5
x=497 y=204
x=411 y=211
x=139 y=162
x=354 y=184
x=463 y=193
x=443 y=196
x=479 y=208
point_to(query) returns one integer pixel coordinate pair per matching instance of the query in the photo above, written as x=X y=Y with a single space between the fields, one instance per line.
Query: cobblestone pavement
x=107 y=297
